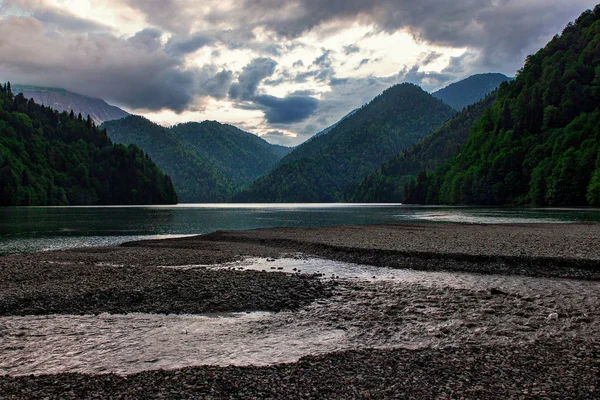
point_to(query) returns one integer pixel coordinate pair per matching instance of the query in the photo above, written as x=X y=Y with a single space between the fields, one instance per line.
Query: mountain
x=195 y=179
x=52 y=158
x=239 y=155
x=388 y=184
x=62 y=100
x=208 y=161
x=321 y=169
x=330 y=128
x=539 y=143
x=469 y=91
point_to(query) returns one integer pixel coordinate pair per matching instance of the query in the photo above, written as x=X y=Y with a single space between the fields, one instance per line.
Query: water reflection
x=42 y=228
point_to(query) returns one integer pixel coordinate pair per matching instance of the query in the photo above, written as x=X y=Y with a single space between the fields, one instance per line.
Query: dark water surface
x=27 y=229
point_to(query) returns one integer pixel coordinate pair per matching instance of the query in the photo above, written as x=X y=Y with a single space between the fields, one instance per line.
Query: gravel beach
x=550 y=250
x=530 y=330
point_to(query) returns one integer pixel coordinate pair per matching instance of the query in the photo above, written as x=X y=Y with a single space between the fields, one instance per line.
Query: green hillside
x=388 y=184
x=208 y=161
x=322 y=169
x=52 y=158
x=239 y=155
x=196 y=180
x=539 y=143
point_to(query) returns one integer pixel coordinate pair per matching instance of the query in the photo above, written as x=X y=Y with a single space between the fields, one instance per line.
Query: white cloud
x=176 y=60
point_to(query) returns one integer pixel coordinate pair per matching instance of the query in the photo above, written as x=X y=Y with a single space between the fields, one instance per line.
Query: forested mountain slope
x=388 y=184
x=208 y=161
x=322 y=169
x=539 y=143
x=196 y=180
x=239 y=155
x=52 y=158
x=471 y=90
x=330 y=128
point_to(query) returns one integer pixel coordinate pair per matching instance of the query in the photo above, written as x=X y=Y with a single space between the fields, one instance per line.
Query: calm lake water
x=27 y=229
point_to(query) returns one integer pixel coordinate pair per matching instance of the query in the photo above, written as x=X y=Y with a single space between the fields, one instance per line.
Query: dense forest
x=539 y=143
x=399 y=175
x=469 y=91
x=322 y=169
x=53 y=158
x=330 y=128
x=196 y=180
x=208 y=161
x=239 y=155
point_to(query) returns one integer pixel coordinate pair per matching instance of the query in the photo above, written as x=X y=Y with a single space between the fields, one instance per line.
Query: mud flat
x=409 y=311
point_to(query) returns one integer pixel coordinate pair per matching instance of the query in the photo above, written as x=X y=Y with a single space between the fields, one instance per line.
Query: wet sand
x=526 y=328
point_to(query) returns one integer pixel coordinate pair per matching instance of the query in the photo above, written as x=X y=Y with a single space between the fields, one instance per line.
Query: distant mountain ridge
x=207 y=161
x=321 y=169
x=63 y=100
x=239 y=155
x=470 y=90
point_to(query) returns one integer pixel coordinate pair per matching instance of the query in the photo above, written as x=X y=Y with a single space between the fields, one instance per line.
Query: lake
x=27 y=229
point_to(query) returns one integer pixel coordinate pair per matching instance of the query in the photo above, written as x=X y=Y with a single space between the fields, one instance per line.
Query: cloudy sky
x=281 y=69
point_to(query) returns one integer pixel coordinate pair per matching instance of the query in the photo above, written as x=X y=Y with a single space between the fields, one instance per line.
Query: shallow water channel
x=371 y=307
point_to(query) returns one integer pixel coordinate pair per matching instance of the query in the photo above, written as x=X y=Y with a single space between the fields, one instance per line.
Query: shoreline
x=542 y=250
x=561 y=359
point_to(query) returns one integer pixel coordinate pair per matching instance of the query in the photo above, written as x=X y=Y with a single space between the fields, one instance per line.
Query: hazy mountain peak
x=63 y=100
x=469 y=91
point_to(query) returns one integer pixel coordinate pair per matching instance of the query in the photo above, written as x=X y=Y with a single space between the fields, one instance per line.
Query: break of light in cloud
x=281 y=69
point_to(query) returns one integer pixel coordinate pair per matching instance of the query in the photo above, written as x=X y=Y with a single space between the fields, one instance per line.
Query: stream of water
x=372 y=307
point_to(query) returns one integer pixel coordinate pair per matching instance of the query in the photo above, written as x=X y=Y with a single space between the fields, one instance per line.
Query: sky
x=283 y=70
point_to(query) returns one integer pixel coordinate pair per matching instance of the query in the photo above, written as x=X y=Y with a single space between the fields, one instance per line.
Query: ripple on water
x=126 y=344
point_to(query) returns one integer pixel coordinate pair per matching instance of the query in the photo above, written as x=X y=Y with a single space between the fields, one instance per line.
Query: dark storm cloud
x=67 y=21
x=302 y=77
x=133 y=72
x=431 y=57
x=502 y=30
x=44 y=44
x=174 y=15
x=290 y=109
x=147 y=39
x=250 y=77
x=219 y=85
x=179 y=47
